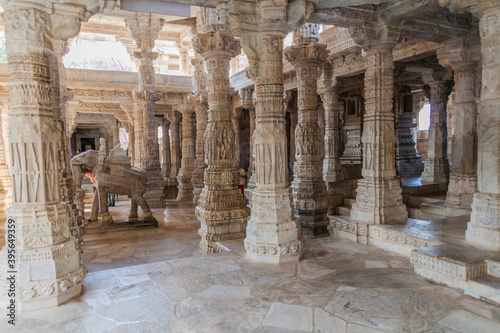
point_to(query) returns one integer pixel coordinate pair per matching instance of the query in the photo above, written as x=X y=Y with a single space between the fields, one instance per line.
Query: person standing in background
x=242 y=175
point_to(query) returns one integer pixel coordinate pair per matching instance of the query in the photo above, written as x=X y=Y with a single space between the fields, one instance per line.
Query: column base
x=185 y=187
x=436 y=171
x=154 y=194
x=219 y=225
x=379 y=202
x=314 y=222
x=461 y=190
x=483 y=230
x=332 y=171
x=196 y=192
x=272 y=233
x=46 y=277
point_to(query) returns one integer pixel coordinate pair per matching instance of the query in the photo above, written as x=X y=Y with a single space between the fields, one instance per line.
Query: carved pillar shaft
x=221 y=209
x=165 y=166
x=463 y=178
x=42 y=220
x=272 y=234
x=379 y=194
x=484 y=227
x=201 y=126
x=294 y=119
x=309 y=188
x=188 y=156
x=235 y=119
x=437 y=166
x=332 y=171
x=175 y=151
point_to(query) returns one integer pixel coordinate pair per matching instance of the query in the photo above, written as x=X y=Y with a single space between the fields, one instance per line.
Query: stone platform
x=437 y=249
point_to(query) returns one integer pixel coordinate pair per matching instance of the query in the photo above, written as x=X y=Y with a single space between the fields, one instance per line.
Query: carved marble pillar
x=175 y=150
x=165 y=166
x=221 y=209
x=272 y=232
x=5 y=184
x=484 y=227
x=247 y=103
x=437 y=166
x=59 y=98
x=188 y=156
x=48 y=266
x=379 y=194
x=235 y=119
x=408 y=162
x=332 y=170
x=144 y=28
x=294 y=119
x=309 y=188
x=463 y=59
x=200 y=109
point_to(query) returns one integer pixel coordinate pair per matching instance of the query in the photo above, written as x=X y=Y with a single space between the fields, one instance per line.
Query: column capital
x=475 y=7
x=218 y=42
x=250 y=17
x=459 y=54
x=306 y=34
x=375 y=35
x=306 y=55
x=145 y=28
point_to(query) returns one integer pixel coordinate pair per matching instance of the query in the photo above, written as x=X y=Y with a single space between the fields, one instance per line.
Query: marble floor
x=154 y=280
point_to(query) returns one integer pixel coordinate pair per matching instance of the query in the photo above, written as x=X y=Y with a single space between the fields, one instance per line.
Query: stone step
x=387 y=237
x=440 y=208
x=424 y=189
x=493 y=267
x=445 y=262
x=343 y=210
x=349 y=201
x=486 y=287
x=416 y=201
x=416 y=213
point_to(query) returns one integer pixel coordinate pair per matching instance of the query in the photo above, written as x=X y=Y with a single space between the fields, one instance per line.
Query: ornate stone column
x=59 y=97
x=175 y=150
x=200 y=108
x=379 y=194
x=309 y=188
x=47 y=261
x=437 y=166
x=247 y=103
x=328 y=88
x=463 y=59
x=188 y=157
x=272 y=234
x=221 y=209
x=329 y=92
x=235 y=119
x=145 y=28
x=290 y=102
x=484 y=227
x=165 y=166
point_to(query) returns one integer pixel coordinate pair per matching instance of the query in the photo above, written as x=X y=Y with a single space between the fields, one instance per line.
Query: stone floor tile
x=465 y=321
x=229 y=291
x=324 y=322
x=376 y=264
x=288 y=316
x=309 y=270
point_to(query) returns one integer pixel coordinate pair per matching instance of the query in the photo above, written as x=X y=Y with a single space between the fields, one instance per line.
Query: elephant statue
x=114 y=174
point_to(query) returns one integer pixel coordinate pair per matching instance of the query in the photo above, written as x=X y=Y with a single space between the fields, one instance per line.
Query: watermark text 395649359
x=11 y=271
